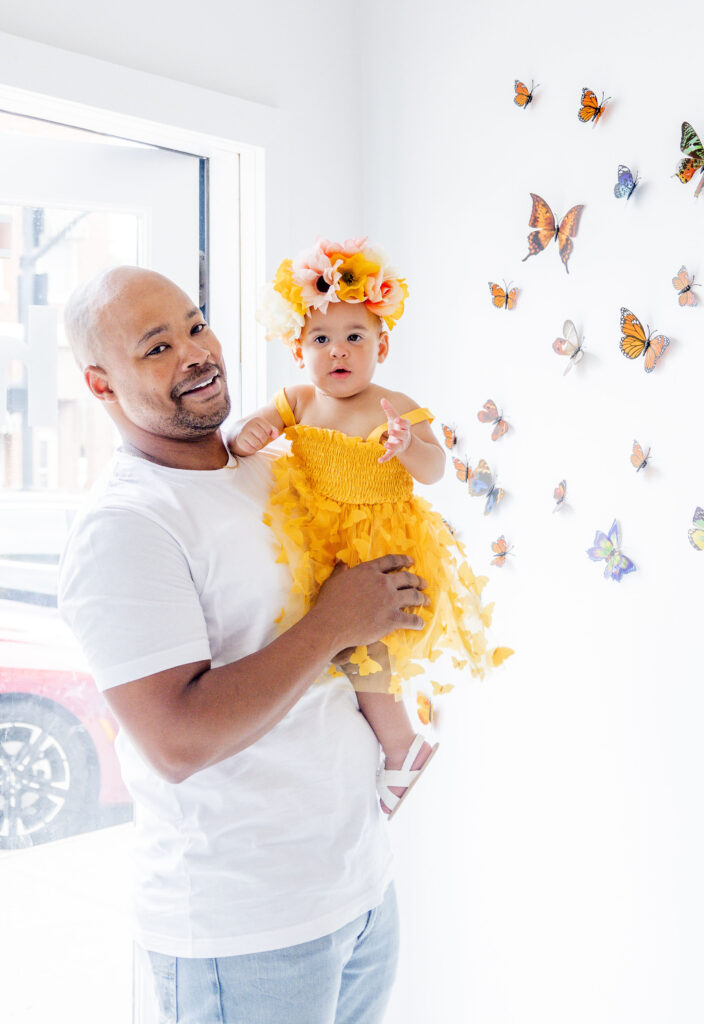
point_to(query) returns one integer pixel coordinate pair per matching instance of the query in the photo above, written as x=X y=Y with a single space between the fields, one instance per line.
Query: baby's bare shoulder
x=401 y=402
x=299 y=398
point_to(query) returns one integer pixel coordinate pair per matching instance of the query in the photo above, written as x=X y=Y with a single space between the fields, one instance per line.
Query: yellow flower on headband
x=286 y=286
x=353 y=272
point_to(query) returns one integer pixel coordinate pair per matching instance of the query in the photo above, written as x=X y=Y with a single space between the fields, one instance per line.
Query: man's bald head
x=85 y=316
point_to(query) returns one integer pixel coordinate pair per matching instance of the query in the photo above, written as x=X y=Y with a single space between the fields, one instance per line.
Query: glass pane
x=71 y=203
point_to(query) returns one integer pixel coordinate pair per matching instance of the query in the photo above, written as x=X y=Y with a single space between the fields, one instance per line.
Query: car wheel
x=49 y=775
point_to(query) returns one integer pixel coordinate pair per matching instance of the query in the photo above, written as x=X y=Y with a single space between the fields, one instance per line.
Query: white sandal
x=403 y=776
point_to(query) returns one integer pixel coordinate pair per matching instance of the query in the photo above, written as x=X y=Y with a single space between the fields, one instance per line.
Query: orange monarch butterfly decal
x=683 y=283
x=462 y=470
x=449 y=435
x=693 y=160
x=638 y=459
x=591 y=109
x=524 y=95
x=501 y=549
x=502 y=297
x=490 y=414
x=634 y=342
x=543 y=220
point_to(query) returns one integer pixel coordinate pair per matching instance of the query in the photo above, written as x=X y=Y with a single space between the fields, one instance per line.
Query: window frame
x=234 y=226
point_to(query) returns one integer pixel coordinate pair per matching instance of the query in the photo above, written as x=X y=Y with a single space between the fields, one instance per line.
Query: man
x=262 y=865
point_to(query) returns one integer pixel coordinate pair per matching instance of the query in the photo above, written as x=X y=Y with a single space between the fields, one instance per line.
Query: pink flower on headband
x=392 y=293
x=317 y=276
x=350 y=247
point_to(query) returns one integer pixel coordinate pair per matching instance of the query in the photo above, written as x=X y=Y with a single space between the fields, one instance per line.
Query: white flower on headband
x=279 y=317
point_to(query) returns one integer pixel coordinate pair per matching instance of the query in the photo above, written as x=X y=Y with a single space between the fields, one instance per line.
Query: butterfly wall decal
x=607 y=548
x=449 y=436
x=569 y=346
x=639 y=459
x=501 y=549
x=591 y=109
x=490 y=414
x=523 y=95
x=634 y=341
x=626 y=184
x=560 y=494
x=543 y=219
x=463 y=471
x=693 y=160
x=482 y=485
x=683 y=283
x=503 y=298
x=696 y=531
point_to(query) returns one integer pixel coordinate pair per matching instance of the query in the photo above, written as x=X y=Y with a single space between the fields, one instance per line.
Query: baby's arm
x=254 y=432
x=415 y=447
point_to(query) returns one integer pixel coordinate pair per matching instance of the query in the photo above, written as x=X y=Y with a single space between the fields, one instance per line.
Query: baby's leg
x=386 y=715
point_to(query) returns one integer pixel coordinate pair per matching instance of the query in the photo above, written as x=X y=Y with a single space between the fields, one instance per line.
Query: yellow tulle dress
x=333 y=501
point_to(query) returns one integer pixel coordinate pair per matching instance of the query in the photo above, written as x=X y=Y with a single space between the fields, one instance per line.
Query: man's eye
x=157 y=350
x=197 y=328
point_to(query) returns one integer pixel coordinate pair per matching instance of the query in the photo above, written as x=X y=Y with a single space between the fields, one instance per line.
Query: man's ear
x=97 y=380
x=383 y=349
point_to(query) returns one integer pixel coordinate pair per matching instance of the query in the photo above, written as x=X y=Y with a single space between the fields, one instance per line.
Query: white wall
x=550 y=864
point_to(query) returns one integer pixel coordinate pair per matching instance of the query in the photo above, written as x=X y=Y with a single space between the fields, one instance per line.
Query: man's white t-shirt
x=283 y=842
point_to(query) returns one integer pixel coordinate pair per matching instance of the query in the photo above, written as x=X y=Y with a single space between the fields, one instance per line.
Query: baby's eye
x=158 y=349
x=320 y=339
x=354 y=337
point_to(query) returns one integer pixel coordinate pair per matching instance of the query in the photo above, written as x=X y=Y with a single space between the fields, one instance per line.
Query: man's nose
x=195 y=355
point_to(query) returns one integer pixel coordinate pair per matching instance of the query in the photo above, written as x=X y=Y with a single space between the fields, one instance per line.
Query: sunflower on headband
x=330 y=272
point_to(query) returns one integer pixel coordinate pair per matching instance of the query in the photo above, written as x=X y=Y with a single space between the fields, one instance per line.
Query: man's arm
x=189 y=717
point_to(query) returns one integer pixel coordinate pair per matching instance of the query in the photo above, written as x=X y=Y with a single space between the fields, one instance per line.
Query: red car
x=58 y=769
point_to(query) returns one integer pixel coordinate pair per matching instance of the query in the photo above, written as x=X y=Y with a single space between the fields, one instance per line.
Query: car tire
x=49 y=773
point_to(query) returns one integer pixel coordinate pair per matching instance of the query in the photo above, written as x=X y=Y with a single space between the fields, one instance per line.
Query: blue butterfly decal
x=607 y=548
x=481 y=484
x=626 y=184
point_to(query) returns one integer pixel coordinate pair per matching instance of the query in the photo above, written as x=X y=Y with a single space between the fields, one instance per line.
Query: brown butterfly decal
x=543 y=219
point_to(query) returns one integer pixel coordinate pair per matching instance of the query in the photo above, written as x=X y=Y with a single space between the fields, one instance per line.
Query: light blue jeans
x=342 y=978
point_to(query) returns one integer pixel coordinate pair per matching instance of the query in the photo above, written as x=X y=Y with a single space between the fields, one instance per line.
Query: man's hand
x=367 y=602
x=252 y=435
x=399 y=434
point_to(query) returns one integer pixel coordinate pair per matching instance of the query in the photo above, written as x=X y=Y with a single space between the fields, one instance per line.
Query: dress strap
x=284 y=409
x=413 y=417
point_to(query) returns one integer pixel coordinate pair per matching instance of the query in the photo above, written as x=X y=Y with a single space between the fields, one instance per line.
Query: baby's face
x=340 y=349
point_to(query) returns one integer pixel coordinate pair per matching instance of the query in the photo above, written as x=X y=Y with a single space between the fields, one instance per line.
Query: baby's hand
x=252 y=435
x=399 y=432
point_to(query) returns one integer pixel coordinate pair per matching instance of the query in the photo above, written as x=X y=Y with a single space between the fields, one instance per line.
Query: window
x=73 y=201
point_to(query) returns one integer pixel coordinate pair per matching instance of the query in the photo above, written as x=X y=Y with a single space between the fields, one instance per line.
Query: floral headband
x=330 y=272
